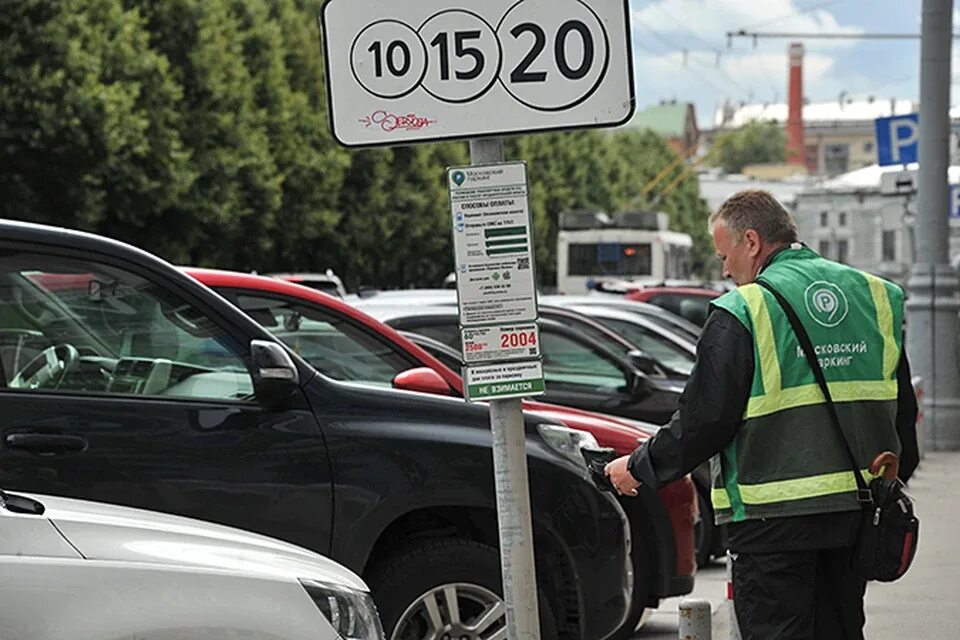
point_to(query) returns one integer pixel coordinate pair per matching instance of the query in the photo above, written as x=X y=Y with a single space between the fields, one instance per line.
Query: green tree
x=88 y=117
x=754 y=143
x=395 y=230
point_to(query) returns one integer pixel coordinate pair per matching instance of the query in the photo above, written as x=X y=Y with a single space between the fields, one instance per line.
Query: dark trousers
x=798 y=595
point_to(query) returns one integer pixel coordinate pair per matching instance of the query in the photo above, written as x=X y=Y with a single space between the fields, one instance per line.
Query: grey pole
x=933 y=305
x=512 y=485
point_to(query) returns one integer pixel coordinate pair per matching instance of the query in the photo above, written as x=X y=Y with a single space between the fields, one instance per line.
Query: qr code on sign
x=523 y=263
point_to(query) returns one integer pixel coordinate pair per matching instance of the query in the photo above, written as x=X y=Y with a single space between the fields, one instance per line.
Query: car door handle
x=45 y=443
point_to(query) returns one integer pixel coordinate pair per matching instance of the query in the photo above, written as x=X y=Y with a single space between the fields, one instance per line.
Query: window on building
x=868 y=147
x=843 y=219
x=824 y=219
x=843 y=251
x=824 y=248
x=836 y=158
x=889 y=246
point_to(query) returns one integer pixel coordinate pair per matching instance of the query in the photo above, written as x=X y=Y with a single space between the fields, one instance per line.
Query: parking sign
x=402 y=72
x=897 y=139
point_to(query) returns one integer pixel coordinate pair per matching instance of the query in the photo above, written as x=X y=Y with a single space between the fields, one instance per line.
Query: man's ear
x=754 y=245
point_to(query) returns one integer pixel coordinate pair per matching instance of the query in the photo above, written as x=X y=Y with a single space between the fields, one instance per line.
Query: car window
x=693 y=308
x=656 y=346
x=568 y=362
x=333 y=344
x=591 y=330
x=680 y=326
x=447 y=332
x=77 y=325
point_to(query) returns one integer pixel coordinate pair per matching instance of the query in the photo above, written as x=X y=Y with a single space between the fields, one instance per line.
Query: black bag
x=887 y=541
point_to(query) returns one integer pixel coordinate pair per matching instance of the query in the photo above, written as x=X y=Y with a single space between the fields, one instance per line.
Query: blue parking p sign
x=897 y=138
x=954 y=201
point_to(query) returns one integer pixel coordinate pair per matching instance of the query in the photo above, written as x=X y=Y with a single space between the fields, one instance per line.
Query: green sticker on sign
x=506 y=380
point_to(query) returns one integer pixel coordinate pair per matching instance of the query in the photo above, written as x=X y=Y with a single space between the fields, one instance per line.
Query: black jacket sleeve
x=711 y=406
x=907 y=420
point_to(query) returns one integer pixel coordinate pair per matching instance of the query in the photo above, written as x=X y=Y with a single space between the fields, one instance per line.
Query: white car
x=89 y=571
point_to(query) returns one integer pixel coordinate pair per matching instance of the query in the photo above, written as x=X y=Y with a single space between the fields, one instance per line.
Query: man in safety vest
x=781 y=476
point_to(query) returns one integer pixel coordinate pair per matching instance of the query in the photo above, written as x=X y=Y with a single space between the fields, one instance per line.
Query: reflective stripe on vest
x=785 y=490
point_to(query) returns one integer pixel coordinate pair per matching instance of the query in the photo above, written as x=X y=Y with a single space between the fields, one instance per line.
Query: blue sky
x=663 y=29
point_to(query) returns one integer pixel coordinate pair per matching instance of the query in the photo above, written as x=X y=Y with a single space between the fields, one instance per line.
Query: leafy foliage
x=754 y=143
x=197 y=129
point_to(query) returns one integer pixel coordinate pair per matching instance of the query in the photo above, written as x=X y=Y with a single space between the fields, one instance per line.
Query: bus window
x=609 y=258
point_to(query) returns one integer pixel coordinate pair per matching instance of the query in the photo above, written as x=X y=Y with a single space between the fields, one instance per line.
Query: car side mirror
x=643 y=362
x=640 y=386
x=275 y=376
x=423 y=380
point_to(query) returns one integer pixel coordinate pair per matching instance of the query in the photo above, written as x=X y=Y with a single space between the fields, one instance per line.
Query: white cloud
x=669 y=32
x=709 y=21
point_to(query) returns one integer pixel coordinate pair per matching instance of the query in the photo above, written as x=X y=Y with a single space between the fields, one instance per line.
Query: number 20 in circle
x=388 y=59
x=555 y=53
x=463 y=56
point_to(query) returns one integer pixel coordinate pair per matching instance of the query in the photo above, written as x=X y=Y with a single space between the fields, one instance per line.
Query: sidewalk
x=923 y=604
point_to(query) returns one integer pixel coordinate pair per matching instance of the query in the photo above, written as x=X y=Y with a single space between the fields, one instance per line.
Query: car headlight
x=351 y=613
x=568 y=442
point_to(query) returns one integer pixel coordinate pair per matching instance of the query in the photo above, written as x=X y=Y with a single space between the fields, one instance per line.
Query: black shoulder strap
x=808 y=350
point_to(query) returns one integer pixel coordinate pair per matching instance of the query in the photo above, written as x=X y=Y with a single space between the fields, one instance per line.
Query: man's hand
x=620 y=476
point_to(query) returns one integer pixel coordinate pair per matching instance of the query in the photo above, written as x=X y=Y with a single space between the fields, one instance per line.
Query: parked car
x=691 y=303
x=579 y=373
x=665 y=319
x=126 y=381
x=345 y=343
x=78 y=569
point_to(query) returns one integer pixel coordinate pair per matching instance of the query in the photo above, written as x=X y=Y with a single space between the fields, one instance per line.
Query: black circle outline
x=496 y=76
x=426 y=58
x=590 y=92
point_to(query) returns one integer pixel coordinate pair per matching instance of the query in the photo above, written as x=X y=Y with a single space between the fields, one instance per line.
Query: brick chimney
x=795 y=147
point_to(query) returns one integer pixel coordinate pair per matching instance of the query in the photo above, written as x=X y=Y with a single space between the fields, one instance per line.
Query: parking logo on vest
x=826 y=303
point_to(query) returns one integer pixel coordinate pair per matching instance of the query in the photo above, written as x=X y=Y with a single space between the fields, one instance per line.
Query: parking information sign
x=492 y=245
x=496 y=284
x=500 y=381
x=441 y=69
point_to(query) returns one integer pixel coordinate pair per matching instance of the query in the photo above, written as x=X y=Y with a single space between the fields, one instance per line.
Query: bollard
x=696 y=621
x=734 y=625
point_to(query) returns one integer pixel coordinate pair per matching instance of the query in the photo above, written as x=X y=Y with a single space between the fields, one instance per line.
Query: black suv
x=124 y=381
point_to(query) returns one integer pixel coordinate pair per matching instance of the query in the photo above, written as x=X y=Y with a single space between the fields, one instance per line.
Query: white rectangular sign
x=492 y=243
x=497 y=344
x=402 y=72
x=500 y=381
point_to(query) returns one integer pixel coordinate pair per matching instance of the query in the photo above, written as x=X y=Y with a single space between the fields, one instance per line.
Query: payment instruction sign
x=492 y=244
x=496 y=283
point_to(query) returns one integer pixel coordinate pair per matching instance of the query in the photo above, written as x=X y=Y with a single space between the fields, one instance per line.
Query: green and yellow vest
x=787 y=459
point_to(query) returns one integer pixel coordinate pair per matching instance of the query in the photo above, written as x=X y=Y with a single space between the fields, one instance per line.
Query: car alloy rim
x=456 y=611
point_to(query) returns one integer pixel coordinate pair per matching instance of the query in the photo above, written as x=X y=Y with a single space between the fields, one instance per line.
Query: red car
x=347 y=344
x=687 y=302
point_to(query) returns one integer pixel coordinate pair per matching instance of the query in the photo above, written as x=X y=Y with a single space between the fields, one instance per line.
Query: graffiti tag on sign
x=393 y=122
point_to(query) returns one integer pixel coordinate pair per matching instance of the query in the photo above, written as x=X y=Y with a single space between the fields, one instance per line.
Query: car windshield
x=77 y=325
x=656 y=346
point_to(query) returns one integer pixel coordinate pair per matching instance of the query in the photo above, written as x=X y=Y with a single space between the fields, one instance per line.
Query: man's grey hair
x=758 y=210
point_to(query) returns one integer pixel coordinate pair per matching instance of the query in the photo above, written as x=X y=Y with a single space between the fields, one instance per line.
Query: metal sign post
x=496 y=289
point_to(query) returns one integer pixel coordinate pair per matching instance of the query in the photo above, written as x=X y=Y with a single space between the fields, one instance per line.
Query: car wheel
x=446 y=588
x=704 y=532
